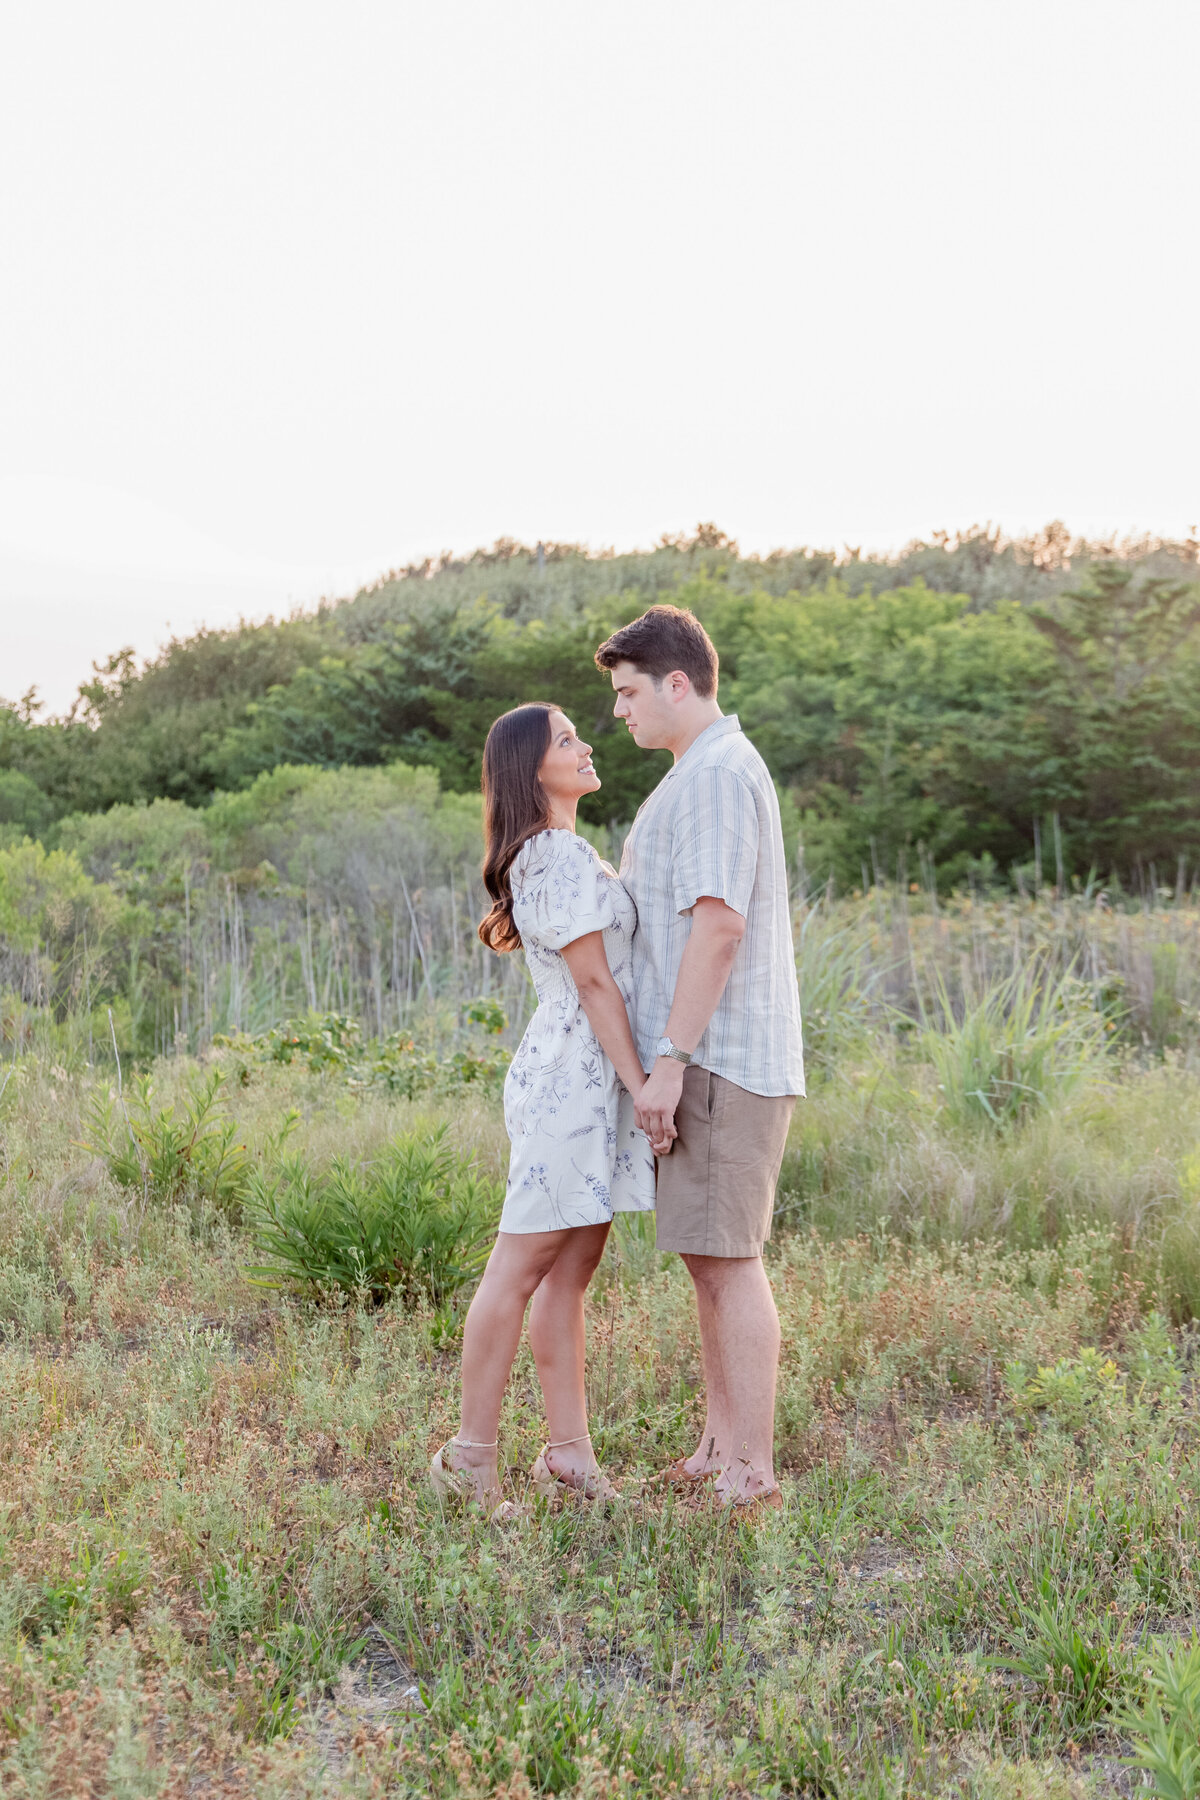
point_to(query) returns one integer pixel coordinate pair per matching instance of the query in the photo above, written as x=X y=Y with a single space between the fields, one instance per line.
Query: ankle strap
x=563 y=1442
x=470 y=1444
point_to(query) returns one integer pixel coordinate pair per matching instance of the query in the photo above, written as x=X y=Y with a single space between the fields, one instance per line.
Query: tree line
x=969 y=707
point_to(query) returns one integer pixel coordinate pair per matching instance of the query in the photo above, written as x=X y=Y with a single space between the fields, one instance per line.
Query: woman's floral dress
x=577 y=1156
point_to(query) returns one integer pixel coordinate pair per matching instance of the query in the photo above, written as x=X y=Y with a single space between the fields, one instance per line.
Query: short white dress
x=577 y=1155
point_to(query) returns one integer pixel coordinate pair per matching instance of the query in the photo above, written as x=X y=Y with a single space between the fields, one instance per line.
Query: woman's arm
x=601 y=1000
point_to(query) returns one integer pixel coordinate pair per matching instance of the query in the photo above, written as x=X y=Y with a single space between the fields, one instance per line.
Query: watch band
x=665 y=1047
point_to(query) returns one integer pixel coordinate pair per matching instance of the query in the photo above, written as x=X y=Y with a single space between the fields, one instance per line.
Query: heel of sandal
x=548 y=1485
x=457 y=1487
x=441 y=1480
x=556 y=1487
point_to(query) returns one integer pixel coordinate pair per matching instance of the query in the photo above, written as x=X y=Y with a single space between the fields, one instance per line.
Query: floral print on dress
x=565 y=1110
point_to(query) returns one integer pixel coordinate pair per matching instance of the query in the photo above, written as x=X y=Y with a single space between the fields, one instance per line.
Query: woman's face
x=566 y=769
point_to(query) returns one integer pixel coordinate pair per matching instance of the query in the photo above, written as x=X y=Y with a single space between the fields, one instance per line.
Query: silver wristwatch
x=665 y=1047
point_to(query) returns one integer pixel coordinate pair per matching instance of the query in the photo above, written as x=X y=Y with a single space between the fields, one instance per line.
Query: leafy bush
x=1029 y=1040
x=322 y=1040
x=332 y=1041
x=171 y=1156
x=416 y=1223
x=1073 y=1391
x=402 y=1069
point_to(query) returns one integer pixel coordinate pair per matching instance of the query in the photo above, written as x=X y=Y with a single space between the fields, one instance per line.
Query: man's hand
x=654 y=1108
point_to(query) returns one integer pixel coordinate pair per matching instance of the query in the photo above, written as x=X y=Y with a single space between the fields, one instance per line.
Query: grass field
x=223 y=1572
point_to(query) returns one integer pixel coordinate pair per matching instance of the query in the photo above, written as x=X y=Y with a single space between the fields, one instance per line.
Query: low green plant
x=400 y=1068
x=396 y=1063
x=1073 y=1390
x=415 y=1223
x=190 y=1154
x=1075 y=1656
x=320 y=1040
x=1165 y=1728
x=1154 y=1361
x=1025 y=1042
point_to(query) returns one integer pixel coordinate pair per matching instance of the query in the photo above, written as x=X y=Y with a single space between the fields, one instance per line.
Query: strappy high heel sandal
x=556 y=1487
x=459 y=1486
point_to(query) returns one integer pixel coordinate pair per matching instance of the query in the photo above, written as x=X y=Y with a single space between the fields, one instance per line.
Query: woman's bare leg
x=519 y=1261
x=556 y=1335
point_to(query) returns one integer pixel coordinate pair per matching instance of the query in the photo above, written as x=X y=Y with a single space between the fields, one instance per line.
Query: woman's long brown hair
x=515 y=808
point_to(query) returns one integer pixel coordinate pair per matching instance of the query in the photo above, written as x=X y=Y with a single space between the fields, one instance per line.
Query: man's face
x=645 y=706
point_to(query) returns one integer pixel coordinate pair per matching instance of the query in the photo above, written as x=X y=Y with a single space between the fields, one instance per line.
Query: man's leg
x=709 y=1456
x=745 y=1327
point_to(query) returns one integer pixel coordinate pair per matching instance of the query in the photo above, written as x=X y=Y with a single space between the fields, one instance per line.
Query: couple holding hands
x=683 y=966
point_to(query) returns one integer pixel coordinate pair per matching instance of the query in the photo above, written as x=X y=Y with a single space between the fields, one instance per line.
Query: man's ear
x=679 y=684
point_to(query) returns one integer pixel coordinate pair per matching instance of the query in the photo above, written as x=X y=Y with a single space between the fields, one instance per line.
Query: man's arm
x=704 y=968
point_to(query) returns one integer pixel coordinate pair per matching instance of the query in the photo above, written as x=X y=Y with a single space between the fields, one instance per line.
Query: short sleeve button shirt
x=711 y=827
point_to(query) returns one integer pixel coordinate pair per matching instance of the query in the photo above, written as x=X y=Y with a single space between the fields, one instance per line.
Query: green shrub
x=321 y=1040
x=1073 y=1391
x=401 y=1068
x=172 y=1156
x=396 y=1063
x=415 y=1223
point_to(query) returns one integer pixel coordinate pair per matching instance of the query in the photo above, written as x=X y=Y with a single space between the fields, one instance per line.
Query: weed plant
x=1165 y=1727
x=188 y=1151
x=415 y=1223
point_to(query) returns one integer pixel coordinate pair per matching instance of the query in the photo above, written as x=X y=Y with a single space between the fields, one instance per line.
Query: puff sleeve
x=560 y=892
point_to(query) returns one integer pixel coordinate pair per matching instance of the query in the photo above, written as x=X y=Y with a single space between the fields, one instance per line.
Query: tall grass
x=870 y=962
x=1027 y=1040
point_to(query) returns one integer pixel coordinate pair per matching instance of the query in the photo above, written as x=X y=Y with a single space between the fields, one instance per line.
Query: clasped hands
x=654 y=1108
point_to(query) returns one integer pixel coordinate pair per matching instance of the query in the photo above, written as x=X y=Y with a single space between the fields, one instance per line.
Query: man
x=718 y=1024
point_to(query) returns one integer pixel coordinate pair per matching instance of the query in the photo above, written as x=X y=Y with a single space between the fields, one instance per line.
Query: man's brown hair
x=662 y=640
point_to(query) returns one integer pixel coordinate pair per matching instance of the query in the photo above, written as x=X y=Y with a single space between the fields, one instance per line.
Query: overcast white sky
x=293 y=292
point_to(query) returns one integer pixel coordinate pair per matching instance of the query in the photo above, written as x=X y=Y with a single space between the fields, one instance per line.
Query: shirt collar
x=719 y=728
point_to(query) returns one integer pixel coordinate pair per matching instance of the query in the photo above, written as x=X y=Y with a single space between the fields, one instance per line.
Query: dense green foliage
x=347 y=891
x=416 y=1223
x=968 y=704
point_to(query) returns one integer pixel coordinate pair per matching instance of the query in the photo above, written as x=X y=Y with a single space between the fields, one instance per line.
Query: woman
x=577 y=1156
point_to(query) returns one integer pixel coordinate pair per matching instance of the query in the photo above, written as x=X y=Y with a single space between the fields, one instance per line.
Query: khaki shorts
x=716 y=1190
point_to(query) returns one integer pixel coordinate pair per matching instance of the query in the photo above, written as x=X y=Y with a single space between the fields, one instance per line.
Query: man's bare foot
x=705 y=1461
x=744 y=1481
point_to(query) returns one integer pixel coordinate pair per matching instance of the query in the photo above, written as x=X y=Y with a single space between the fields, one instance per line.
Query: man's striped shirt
x=711 y=827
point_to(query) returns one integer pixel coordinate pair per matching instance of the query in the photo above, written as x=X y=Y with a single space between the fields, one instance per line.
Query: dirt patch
x=376 y=1692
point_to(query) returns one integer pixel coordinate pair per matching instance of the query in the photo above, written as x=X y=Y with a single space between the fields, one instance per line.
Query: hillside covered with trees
x=968 y=706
